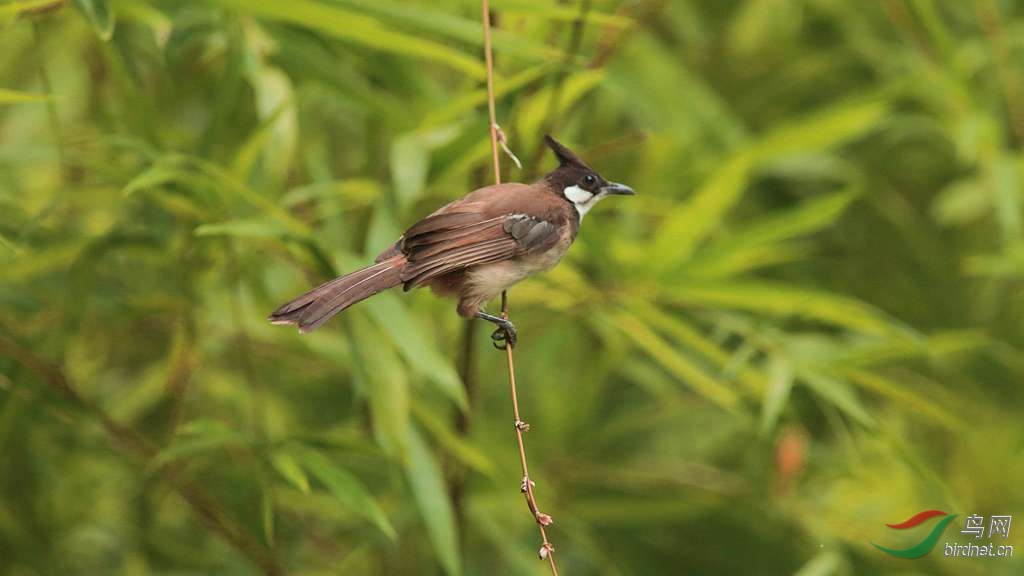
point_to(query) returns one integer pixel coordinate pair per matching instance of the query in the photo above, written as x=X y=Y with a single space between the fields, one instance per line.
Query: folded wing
x=447 y=242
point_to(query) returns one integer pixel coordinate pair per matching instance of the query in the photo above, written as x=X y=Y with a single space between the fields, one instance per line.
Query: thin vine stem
x=547 y=551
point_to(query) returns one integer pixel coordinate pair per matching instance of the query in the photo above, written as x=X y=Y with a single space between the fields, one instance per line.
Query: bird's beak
x=616 y=188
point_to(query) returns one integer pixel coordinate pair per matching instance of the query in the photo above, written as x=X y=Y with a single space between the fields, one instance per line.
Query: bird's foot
x=505 y=335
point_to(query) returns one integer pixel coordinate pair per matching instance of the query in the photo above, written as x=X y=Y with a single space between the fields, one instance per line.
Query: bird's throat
x=581 y=199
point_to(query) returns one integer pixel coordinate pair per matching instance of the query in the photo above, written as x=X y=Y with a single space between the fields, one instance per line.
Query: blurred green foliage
x=808 y=323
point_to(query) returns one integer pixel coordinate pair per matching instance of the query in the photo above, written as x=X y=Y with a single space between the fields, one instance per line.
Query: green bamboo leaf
x=150 y=390
x=469 y=101
x=414 y=343
x=383 y=379
x=431 y=495
x=354 y=193
x=742 y=260
x=531 y=118
x=647 y=376
x=11 y=246
x=872 y=352
x=747 y=248
x=99 y=15
x=685 y=227
x=32 y=264
x=242 y=229
x=345 y=487
x=757 y=26
x=172 y=172
x=837 y=393
x=250 y=150
x=227 y=183
x=288 y=467
x=456 y=27
x=962 y=202
x=16 y=97
x=203 y=427
x=679 y=330
x=779 y=299
x=551 y=11
x=824 y=563
x=780 y=382
x=457 y=446
x=11 y=10
x=1007 y=198
x=949 y=342
x=275 y=100
x=306 y=56
x=654 y=79
x=410 y=162
x=820 y=130
x=358 y=28
x=678 y=364
x=917 y=403
x=196 y=443
x=155 y=176
x=996 y=266
x=936 y=346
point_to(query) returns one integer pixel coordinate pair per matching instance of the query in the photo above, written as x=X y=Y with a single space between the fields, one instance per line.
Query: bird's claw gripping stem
x=505 y=335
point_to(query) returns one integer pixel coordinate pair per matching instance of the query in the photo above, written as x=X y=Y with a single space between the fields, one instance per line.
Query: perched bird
x=473 y=248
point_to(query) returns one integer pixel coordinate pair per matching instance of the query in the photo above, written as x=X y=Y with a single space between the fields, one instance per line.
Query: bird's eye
x=588 y=180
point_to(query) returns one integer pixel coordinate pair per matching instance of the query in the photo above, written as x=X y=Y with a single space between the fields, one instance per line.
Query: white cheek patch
x=577 y=195
x=581 y=199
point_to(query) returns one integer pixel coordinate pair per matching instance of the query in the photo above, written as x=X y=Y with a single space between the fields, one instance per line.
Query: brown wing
x=461 y=212
x=453 y=241
x=488 y=225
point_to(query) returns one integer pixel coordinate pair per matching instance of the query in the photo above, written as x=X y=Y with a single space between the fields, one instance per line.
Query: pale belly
x=485 y=282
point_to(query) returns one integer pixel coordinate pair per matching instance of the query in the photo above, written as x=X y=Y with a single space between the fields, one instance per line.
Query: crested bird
x=472 y=248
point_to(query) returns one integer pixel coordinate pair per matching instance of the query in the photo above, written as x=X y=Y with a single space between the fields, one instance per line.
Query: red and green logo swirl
x=924 y=546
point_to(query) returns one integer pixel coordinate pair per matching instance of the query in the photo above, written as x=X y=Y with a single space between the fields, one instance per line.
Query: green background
x=808 y=323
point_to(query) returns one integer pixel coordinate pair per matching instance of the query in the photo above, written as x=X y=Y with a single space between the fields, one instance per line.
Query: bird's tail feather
x=318 y=305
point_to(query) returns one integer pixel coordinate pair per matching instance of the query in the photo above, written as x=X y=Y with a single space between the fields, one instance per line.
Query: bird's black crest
x=565 y=156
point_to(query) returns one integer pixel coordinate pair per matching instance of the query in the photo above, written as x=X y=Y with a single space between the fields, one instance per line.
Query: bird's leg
x=505 y=335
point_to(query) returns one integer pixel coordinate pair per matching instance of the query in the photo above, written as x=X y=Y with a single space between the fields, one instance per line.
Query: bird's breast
x=488 y=280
